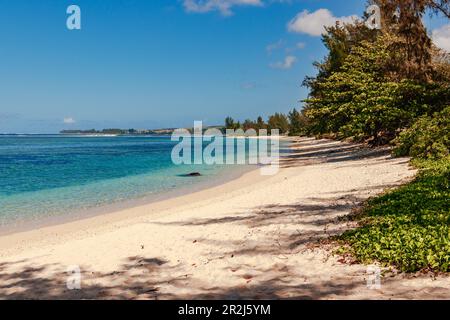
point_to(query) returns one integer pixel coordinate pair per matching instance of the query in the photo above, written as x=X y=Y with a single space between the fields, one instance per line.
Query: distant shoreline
x=79 y=135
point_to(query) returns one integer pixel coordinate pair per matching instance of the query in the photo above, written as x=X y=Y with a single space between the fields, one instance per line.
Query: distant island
x=118 y=132
x=134 y=132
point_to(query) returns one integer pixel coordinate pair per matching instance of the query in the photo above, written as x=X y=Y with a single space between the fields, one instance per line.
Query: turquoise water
x=46 y=176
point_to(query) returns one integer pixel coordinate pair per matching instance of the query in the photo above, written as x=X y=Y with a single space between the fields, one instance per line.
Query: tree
x=404 y=19
x=374 y=83
x=296 y=123
x=260 y=124
x=248 y=124
x=237 y=126
x=339 y=40
x=229 y=123
x=428 y=137
x=361 y=101
x=278 y=121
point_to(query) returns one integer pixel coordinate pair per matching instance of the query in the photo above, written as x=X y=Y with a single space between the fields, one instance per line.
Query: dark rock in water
x=193 y=174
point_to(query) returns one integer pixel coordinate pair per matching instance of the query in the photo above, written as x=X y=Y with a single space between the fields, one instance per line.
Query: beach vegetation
x=409 y=227
x=279 y=121
x=428 y=137
x=391 y=87
x=297 y=123
x=293 y=124
x=374 y=84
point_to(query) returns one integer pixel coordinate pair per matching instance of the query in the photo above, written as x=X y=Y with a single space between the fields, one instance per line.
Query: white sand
x=254 y=237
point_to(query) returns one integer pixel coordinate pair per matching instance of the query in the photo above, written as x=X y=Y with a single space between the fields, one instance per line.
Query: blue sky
x=149 y=64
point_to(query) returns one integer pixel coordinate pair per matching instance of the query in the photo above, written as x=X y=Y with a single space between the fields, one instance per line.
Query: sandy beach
x=254 y=237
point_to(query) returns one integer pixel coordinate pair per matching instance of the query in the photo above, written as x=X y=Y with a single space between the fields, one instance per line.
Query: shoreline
x=223 y=177
x=131 y=209
x=154 y=205
x=255 y=237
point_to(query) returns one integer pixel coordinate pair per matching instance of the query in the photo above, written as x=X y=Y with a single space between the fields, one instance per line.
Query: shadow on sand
x=149 y=277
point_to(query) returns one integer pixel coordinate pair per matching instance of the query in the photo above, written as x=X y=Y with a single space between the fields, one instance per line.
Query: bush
x=408 y=227
x=360 y=101
x=365 y=99
x=428 y=138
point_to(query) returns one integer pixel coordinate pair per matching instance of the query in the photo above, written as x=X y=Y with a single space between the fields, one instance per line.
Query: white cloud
x=69 y=120
x=223 y=6
x=248 y=85
x=275 y=46
x=314 y=23
x=287 y=63
x=297 y=46
x=441 y=37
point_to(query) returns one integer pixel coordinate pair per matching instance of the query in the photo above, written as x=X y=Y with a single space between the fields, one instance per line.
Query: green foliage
x=408 y=227
x=297 y=123
x=248 y=124
x=260 y=124
x=231 y=124
x=429 y=137
x=339 y=40
x=373 y=86
x=279 y=121
x=361 y=101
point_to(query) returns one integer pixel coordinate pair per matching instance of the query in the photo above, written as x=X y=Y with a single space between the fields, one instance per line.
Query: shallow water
x=45 y=176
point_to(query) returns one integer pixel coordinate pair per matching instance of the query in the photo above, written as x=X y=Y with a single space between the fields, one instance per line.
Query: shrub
x=408 y=227
x=361 y=101
x=428 y=138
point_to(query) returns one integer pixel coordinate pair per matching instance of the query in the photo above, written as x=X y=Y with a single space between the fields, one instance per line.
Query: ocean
x=44 y=176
